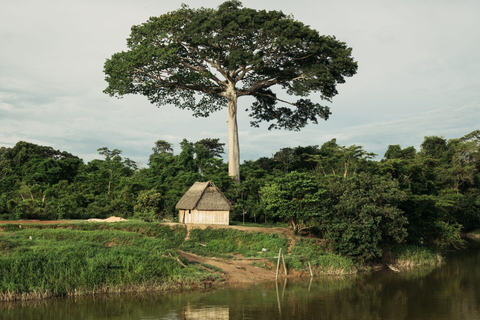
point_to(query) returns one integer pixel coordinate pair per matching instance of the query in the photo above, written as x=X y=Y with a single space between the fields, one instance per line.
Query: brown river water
x=451 y=291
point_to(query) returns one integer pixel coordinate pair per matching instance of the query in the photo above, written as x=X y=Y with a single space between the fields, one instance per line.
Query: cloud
x=418 y=76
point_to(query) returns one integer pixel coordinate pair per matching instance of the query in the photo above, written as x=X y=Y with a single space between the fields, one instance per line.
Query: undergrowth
x=413 y=256
x=81 y=258
x=224 y=242
x=309 y=250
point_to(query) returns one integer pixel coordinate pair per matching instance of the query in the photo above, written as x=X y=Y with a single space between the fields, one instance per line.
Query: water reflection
x=451 y=291
x=205 y=312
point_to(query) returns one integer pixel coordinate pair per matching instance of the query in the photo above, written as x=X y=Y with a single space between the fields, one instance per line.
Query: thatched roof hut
x=204 y=203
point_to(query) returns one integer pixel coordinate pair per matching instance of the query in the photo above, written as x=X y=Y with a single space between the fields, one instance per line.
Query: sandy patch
x=109 y=219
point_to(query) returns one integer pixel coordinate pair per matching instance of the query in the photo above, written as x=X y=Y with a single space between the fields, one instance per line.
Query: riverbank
x=41 y=260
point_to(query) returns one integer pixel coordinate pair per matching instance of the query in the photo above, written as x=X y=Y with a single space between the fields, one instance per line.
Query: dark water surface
x=451 y=291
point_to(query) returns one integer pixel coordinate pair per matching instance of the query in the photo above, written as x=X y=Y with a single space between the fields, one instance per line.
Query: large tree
x=205 y=59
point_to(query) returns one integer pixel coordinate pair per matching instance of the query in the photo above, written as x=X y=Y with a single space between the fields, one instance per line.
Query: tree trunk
x=233 y=145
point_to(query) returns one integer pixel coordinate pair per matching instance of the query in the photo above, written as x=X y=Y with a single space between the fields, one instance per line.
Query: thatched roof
x=204 y=196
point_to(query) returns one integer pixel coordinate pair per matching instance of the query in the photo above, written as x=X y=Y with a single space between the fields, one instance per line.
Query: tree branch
x=168 y=84
x=261 y=84
x=277 y=99
x=210 y=62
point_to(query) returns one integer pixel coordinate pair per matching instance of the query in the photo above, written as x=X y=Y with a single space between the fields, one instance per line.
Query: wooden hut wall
x=204 y=217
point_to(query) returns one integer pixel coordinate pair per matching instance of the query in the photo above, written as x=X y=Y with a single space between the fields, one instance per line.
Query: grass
x=407 y=256
x=175 y=234
x=224 y=242
x=40 y=260
x=208 y=266
x=45 y=260
x=323 y=262
x=261 y=225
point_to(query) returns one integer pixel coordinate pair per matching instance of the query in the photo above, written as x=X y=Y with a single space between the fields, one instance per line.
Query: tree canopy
x=204 y=59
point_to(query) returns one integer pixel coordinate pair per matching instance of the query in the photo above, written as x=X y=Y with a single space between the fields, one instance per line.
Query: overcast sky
x=418 y=75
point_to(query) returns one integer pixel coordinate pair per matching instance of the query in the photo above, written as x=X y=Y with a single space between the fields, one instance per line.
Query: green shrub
x=222 y=242
x=149 y=206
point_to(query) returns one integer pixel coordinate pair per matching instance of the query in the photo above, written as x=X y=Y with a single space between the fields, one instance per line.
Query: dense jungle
x=360 y=204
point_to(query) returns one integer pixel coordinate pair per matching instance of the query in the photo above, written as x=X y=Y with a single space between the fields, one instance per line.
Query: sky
x=418 y=75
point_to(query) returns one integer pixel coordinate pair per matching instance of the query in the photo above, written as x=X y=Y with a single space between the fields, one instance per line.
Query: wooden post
x=278 y=264
x=310 y=267
x=284 y=286
x=284 y=266
x=278 y=299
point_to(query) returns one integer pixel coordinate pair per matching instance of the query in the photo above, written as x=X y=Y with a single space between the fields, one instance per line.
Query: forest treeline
x=359 y=204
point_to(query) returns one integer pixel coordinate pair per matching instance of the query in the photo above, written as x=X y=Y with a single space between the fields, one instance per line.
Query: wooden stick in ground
x=278 y=263
x=310 y=267
x=179 y=261
x=284 y=266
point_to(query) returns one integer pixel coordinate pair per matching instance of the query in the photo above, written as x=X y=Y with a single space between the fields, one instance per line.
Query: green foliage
x=294 y=57
x=449 y=235
x=360 y=205
x=169 y=236
x=333 y=159
x=295 y=197
x=58 y=262
x=161 y=147
x=223 y=242
x=435 y=147
x=149 y=205
x=309 y=250
x=396 y=152
x=362 y=216
x=408 y=255
x=205 y=59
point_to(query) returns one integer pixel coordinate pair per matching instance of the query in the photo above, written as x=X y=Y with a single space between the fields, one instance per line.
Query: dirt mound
x=109 y=219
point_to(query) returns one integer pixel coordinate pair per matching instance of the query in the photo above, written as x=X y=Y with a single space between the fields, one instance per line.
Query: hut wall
x=204 y=217
x=181 y=216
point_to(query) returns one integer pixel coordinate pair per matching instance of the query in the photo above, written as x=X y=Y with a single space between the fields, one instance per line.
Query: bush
x=362 y=217
x=149 y=205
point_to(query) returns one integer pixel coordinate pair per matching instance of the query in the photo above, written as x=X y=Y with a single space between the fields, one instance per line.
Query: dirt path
x=237 y=271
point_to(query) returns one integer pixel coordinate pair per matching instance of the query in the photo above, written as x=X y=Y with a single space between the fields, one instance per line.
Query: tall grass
x=310 y=250
x=52 y=262
x=173 y=234
x=407 y=256
x=224 y=242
